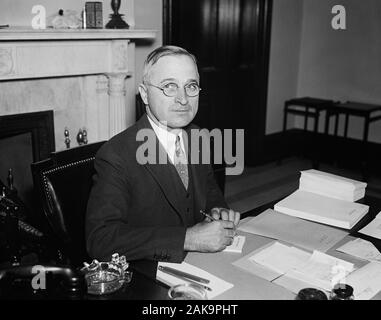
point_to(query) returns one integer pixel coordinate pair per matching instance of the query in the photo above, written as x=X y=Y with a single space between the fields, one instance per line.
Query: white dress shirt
x=167 y=139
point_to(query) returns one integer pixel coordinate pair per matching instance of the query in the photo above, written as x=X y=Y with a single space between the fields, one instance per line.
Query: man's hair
x=160 y=52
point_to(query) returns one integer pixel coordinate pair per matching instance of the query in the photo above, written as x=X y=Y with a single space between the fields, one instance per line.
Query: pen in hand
x=208 y=215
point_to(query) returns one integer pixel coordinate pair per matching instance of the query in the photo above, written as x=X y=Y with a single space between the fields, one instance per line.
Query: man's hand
x=226 y=215
x=209 y=236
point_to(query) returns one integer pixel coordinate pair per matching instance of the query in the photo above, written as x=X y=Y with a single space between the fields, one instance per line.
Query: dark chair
x=63 y=184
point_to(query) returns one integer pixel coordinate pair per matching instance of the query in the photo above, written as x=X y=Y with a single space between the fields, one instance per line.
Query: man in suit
x=152 y=210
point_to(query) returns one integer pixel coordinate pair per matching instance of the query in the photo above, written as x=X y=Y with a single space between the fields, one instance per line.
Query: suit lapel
x=165 y=175
x=198 y=175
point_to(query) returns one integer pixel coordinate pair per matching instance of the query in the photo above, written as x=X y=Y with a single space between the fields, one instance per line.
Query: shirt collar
x=167 y=139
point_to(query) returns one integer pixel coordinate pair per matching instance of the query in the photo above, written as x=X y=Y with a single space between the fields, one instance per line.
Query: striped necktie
x=180 y=162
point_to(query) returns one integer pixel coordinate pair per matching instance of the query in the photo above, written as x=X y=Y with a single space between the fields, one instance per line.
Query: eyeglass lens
x=191 y=90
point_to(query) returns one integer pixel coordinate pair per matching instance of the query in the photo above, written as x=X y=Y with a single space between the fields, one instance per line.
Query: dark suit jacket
x=134 y=209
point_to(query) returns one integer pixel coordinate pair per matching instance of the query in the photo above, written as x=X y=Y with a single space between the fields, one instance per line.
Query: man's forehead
x=173 y=66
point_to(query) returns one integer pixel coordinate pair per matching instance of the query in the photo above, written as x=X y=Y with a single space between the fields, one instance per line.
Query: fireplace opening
x=17 y=155
x=25 y=138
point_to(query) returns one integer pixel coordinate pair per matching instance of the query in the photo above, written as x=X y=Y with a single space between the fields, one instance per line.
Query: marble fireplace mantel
x=50 y=53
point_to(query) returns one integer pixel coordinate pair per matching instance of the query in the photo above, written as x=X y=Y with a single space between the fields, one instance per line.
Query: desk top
x=250 y=287
x=356 y=107
x=309 y=102
x=247 y=286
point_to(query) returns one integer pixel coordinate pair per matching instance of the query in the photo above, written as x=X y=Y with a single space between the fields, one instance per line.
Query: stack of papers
x=315 y=269
x=322 y=270
x=366 y=281
x=302 y=233
x=217 y=285
x=280 y=258
x=322 y=209
x=331 y=185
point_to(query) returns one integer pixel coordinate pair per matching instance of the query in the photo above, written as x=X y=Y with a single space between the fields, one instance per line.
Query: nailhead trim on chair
x=60 y=168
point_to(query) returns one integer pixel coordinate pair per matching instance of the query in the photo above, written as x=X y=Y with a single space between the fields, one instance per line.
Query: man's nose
x=181 y=96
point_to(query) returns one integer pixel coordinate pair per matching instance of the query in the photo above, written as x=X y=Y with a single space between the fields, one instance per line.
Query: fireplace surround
x=25 y=138
x=85 y=76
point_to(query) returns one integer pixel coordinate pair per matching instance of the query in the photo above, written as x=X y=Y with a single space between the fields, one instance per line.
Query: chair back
x=63 y=183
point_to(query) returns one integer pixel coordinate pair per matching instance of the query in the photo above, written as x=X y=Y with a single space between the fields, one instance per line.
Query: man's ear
x=143 y=93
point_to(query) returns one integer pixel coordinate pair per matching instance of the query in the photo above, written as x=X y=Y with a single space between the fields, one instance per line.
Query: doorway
x=231 y=40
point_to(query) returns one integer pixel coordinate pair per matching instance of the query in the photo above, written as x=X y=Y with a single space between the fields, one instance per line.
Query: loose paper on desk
x=322 y=270
x=237 y=244
x=366 y=281
x=362 y=249
x=280 y=258
x=302 y=233
x=217 y=285
x=373 y=228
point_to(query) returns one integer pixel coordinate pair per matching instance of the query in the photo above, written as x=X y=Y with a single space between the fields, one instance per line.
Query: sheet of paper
x=305 y=234
x=295 y=285
x=366 y=281
x=237 y=245
x=217 y=285
x=373 y=229
x=280 y=258
x=249 y=265
x=322 y=270
x=361 y=249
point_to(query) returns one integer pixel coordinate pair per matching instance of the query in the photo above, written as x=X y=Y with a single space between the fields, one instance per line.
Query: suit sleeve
x=215 y=197
x=108 y=229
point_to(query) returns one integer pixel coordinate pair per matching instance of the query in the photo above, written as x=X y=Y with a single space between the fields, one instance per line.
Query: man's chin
x=180 y=123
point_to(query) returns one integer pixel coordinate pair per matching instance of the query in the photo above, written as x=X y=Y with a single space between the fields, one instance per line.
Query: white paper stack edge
x=315 y=207
x=331 y=185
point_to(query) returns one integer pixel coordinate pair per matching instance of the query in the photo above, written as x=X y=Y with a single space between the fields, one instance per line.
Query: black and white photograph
x=221 y=152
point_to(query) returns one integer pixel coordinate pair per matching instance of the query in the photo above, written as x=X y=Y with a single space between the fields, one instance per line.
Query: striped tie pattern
x=180 y=162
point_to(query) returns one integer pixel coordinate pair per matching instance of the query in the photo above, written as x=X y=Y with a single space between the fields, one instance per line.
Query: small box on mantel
x=94 y=15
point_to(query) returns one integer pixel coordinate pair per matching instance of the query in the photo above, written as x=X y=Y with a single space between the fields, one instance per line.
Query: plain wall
x=309 y=58
x=284 y=59
x=342 y=64
x=148 y=15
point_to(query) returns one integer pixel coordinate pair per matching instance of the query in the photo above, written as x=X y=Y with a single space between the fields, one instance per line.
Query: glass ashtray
x=106 y=277
x=103 y=282
x=187 y=291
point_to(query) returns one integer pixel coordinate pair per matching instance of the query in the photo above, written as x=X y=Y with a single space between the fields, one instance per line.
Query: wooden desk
x=246 y=285
x=350 y=108
x=250 y=287
x=308 y=108
x=312 y=108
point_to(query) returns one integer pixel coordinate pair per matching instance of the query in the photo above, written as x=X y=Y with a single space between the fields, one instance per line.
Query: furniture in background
x=63 y=183
x=350 y=108
x=308 y=108
x=369 y=112
x=311 y=107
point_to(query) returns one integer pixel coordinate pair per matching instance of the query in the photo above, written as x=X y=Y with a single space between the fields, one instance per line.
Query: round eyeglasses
x=171 y=89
